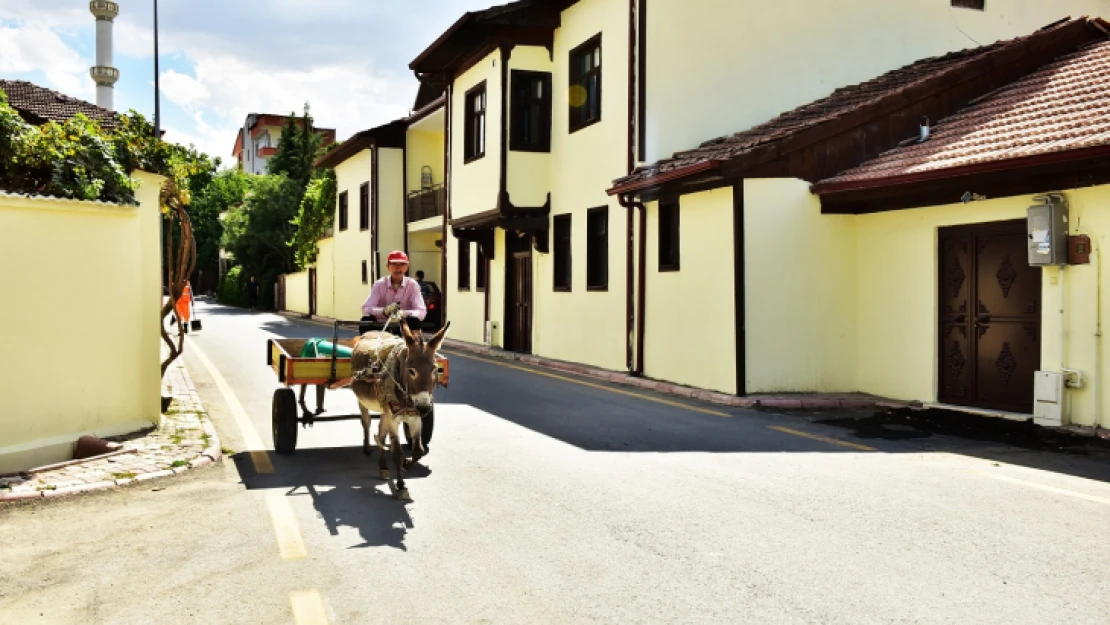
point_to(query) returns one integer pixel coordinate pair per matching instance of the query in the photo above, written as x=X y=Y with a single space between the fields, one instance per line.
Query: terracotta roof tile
x=1062 y=106
x=840 y=102
x=40 y=105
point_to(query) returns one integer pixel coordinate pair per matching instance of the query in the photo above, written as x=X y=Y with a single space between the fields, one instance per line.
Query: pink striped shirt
x=383 y=293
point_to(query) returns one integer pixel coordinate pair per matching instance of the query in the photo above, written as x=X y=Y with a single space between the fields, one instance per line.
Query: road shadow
x=345 y=490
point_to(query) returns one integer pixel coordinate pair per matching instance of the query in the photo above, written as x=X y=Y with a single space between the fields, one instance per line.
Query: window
x=464 y=265
x=482 y=269
x=970 y=4
x=585 y=84
x=530 y=126
x=364 y=206
x=668 y=236
x=343 y=211
x=561 y=252
x=365 y=276
x=597 y=249
x=475 y=131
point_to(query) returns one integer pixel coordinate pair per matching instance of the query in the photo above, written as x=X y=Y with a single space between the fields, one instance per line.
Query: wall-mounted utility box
x=1079 y=249
x=1047 y=225
x=1048 y=398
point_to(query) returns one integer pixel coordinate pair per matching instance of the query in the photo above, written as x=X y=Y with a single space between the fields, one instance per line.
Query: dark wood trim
x=674 y=174
x=665 y=267
x=444 y=243
x=641 y=83
x=592 y=211
x=515 y=125
x=642 y=295
x=569 y=287
x=343 y=208
x=463 y=245
x=631 y=89
x=503 y=131
x=467 y=137
x=375 y=189
x=739 y=286
x=629 y=276
x=430 y=108
x=364 y=217
x=996 y=184
x=404 y=194
x=575 y=126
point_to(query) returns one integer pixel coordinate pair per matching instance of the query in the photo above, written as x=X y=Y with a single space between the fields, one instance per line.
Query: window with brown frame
x=561 y=252
x=365 y=276
x=482 y=267
x=530 y=126
x=970 y=4
x=585 y=84
x=464 y=266
x=364 y=206
x=343 y=211
x=668 y=236
x=474 y=134
x=597 y=249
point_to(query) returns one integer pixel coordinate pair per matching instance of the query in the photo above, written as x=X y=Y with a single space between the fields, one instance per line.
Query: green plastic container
x=320 y=348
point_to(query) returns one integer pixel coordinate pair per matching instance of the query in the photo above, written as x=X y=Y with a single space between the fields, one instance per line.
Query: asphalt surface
x=554 y=499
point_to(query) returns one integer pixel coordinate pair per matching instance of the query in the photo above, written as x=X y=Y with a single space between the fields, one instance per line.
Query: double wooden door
x=989 y=317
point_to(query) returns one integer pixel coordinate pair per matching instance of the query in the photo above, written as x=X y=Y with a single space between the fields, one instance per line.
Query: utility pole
x=157 y=108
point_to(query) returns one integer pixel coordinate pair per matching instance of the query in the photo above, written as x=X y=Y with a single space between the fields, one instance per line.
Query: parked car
x=433 y=301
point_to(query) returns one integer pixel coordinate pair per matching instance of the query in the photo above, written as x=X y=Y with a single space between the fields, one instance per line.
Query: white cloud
x=36 y=47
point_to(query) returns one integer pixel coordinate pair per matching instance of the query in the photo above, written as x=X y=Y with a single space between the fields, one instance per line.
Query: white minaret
x=103 y=74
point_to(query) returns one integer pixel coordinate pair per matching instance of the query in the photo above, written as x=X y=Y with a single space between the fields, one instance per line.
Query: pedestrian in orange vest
x=182 y=306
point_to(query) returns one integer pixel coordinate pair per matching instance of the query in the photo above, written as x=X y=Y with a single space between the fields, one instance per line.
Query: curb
x=211 y=454
x=804 y=402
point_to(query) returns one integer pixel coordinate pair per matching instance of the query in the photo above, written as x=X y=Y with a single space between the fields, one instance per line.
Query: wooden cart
x=283 y=356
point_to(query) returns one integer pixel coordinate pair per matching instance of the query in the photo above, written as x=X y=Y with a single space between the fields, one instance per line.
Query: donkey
x=395 y=377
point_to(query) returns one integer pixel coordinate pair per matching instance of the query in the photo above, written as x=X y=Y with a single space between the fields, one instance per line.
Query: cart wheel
x=425 y=428
x=285 y=421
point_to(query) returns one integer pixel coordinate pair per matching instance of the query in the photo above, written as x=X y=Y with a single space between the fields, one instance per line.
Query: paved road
x=552 y=499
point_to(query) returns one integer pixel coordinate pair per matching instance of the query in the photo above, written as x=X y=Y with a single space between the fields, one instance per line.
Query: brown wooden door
x=311 y=291
x=518 y=303
x=990 y=317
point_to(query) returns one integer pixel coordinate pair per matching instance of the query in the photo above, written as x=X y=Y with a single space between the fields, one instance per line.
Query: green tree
x=314 y=217
x=224 y=192
x=258 y=234
x=298 y=148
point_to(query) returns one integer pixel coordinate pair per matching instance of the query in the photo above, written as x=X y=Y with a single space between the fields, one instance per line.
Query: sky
x=222 y=59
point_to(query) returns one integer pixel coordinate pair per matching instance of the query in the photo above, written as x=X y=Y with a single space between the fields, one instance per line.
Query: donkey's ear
x=407 y=334
x=438 y=337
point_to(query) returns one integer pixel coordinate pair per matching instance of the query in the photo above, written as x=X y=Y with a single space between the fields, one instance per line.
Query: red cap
x=397 y=257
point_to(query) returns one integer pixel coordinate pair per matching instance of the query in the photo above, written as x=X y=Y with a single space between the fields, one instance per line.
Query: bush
x=233 y=288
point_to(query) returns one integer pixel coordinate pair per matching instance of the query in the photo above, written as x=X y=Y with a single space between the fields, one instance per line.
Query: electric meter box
x=1047 y=225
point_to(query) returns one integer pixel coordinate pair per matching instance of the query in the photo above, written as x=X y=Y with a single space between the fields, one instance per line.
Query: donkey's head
x=418 y=371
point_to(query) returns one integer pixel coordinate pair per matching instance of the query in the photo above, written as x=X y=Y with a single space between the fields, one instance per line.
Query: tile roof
x=1063 y=106
x=39 y=105
x=839 y=103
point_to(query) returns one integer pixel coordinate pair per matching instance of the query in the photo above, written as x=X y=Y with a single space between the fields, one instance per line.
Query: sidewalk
x=185 y=440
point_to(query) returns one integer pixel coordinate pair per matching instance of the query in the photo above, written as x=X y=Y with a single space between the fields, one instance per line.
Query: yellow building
x=533 y=264
x=84 y=279
x=878 y=239
x=368 y=224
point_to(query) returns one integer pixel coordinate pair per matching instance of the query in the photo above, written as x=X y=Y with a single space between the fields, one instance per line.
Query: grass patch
x=124 y=475
x=227 y=451
x=178 y=463
x=46 y=487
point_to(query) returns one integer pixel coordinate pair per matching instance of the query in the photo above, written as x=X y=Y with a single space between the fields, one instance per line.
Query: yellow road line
x=834 y=441
x=1044 y=487
x=716 y=413
x=260 y=457
x=308 y=607
x=288 y=533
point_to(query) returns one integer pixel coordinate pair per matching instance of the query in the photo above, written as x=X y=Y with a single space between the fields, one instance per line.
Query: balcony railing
x=425 y=204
